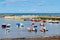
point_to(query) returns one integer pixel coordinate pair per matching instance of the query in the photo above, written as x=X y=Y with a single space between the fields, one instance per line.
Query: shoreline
x=51 y=37
x=43 y=38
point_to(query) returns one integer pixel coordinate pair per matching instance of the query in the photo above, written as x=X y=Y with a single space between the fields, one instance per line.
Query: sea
x=15 y=32
x=19 y=14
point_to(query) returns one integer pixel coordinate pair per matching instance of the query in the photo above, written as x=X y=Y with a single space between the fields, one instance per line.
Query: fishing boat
x=6 y=25
x=49 y=21
x=54 y=21
x=35 y=20
x=27 y=19
x=3 y=25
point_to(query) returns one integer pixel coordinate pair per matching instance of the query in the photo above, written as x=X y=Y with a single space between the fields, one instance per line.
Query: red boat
x=35 y=20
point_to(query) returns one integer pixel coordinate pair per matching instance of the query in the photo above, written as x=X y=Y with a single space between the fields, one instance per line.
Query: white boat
x=53 y=21
x=4 y=25
x=8 y=25
x=21 y=25
x=49 y=21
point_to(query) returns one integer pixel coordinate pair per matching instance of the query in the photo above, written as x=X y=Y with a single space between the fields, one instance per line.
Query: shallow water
x=22 y=32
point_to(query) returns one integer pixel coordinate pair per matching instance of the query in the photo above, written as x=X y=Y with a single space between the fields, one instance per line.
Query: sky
x=29 y=6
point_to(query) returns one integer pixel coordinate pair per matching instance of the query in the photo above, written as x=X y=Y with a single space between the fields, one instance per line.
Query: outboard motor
x=18 y=25
x=21 y=25
x=35 y=26
x=8 y=25
x=34 y=29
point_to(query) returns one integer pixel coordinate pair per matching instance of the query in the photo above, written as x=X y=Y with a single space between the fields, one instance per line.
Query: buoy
x=28 y=29
x=33 y=25
x=41 y=24
x=34 y=29
x=21 y=25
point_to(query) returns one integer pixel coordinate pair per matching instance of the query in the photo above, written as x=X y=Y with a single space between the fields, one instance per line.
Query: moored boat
x=54 y=21
x=35 y=20
x=4 y=25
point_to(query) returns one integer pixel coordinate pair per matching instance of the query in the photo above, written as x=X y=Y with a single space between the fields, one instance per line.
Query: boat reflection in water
x=6 y=27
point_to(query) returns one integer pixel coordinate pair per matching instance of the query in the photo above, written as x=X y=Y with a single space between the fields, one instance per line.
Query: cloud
x=8 y=2
x=15 y=0
x=32 y=9
x=11 y=1
x=41 y=3
x=28 y=10
x=21 y=10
